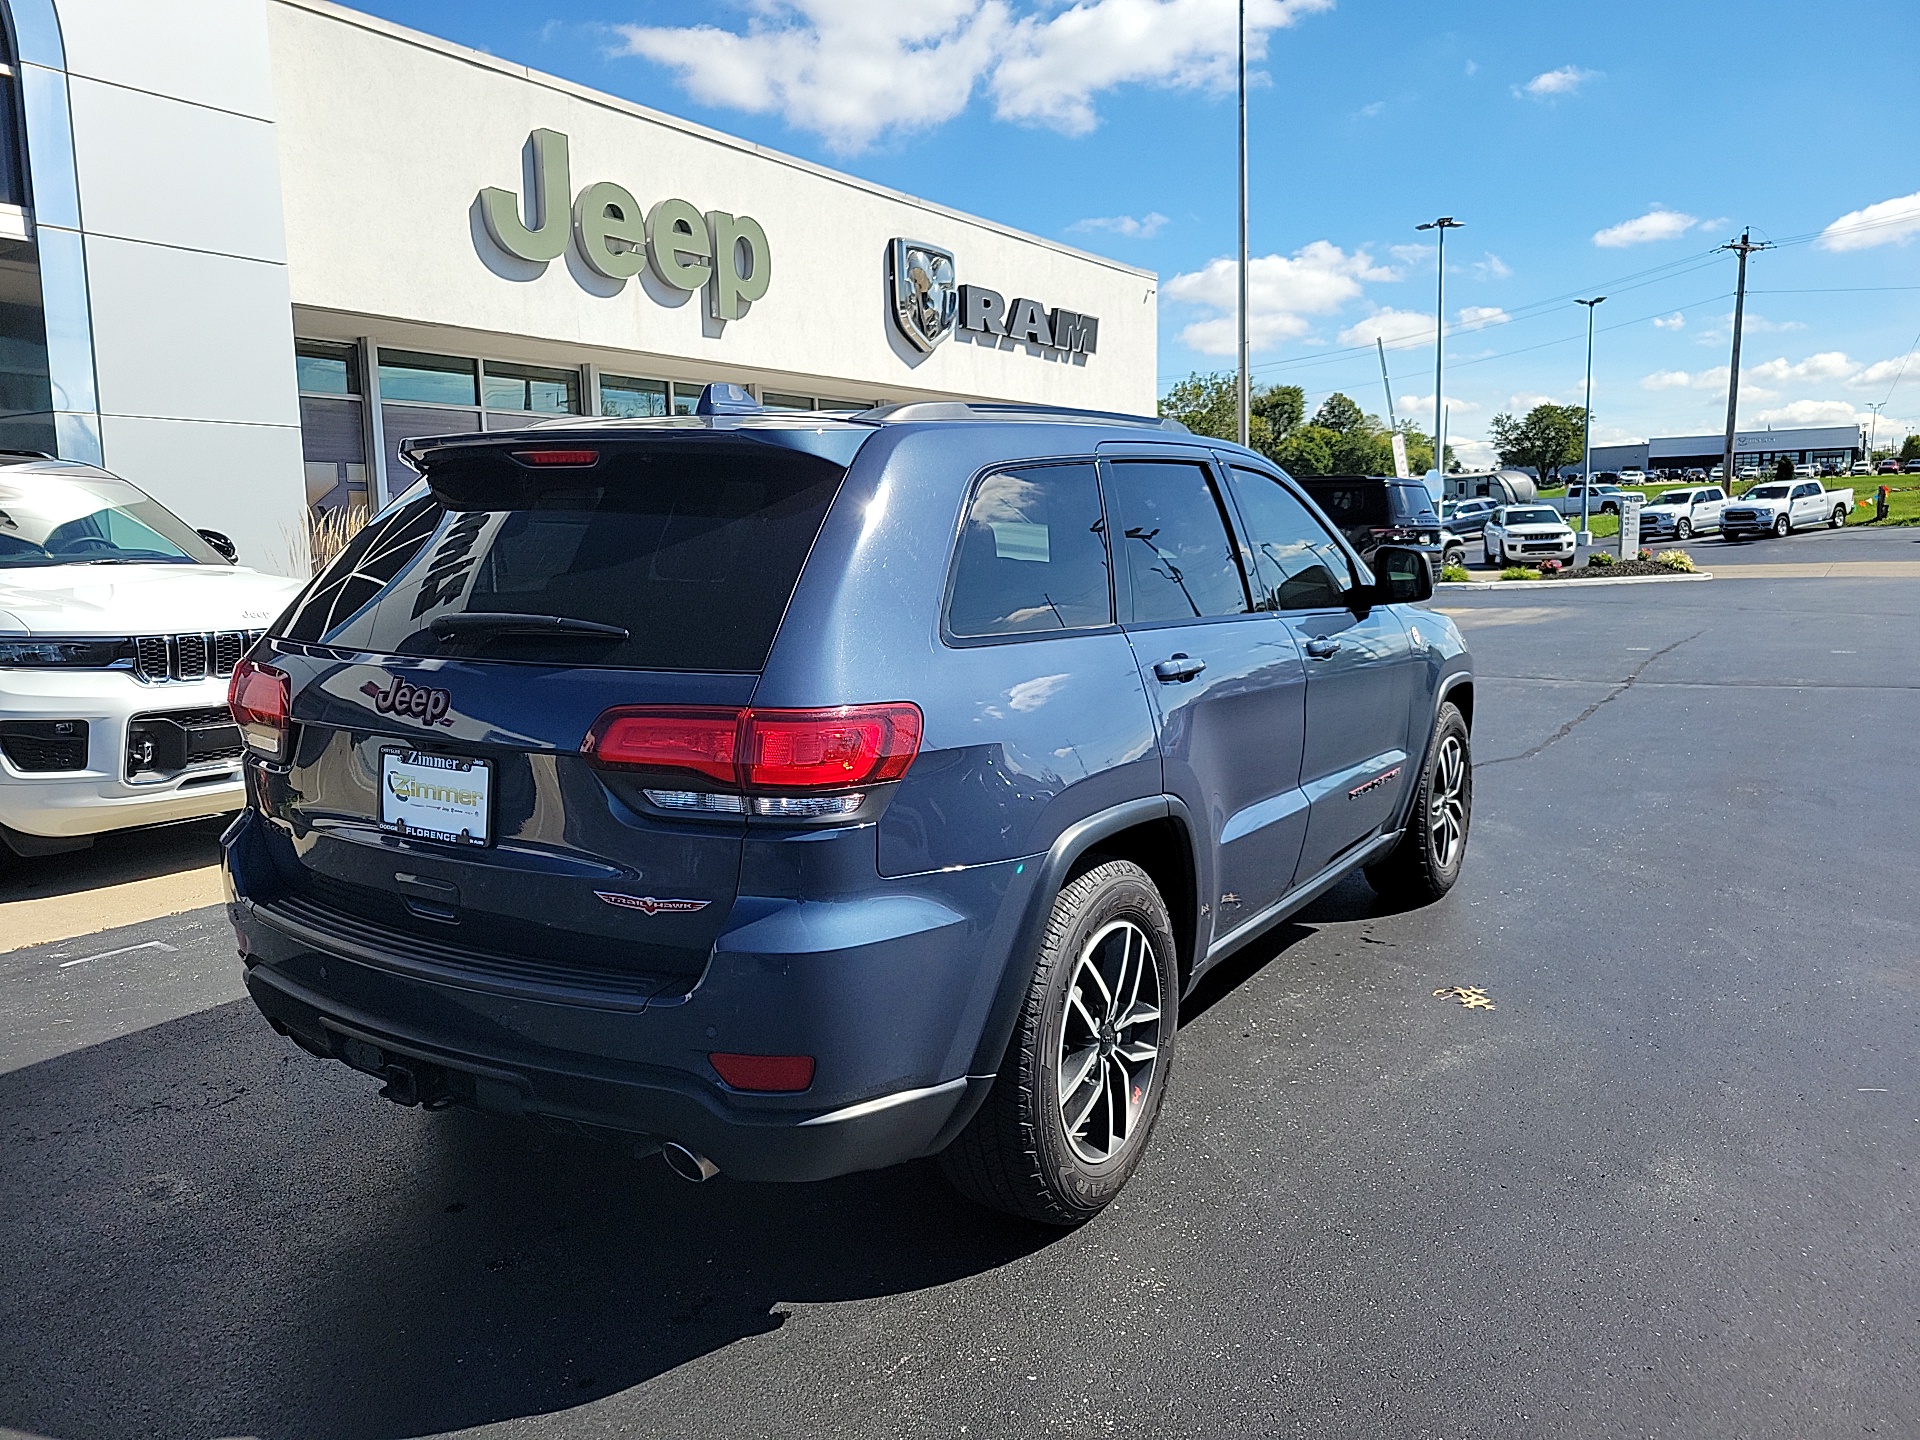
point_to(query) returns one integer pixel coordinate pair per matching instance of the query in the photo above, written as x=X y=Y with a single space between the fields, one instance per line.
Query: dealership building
x=1758 y=449
x=247 y=247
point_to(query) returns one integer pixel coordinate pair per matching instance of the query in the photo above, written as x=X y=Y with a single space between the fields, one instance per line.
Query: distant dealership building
x=1834 y=444
x=248 y=247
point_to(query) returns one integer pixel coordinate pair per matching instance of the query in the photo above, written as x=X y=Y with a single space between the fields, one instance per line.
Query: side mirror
x=229 y=551
x=1401 y=576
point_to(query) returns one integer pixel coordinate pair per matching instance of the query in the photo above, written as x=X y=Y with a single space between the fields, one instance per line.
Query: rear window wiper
x=490 y=622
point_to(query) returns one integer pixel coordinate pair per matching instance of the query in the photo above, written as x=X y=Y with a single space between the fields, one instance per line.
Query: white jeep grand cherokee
x=119 y=628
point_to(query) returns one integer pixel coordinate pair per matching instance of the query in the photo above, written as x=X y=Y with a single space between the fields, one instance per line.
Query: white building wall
x=186 y=265
x=386 y=136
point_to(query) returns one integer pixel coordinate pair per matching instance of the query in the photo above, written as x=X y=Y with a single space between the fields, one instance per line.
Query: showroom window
x=512 y=392
x=424 y=395
x=333 y=443
x=625 y=398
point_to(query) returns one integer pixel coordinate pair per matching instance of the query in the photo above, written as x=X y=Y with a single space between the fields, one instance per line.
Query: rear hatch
x=447 y=669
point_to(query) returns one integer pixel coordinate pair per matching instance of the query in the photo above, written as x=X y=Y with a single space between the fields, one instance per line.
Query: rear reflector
x=260 y=698
x=769 y=1073
x=557 y=457
x=784 y=751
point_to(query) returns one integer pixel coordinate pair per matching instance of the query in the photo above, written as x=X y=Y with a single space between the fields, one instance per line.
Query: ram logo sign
x=927 y=305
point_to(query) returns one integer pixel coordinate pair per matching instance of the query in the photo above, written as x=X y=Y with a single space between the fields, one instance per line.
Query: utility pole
x=1399 y=441
x=1742 y=247
x=1873 y=426
x=1586 y=439
x=1245 y=405
x=1443 y=224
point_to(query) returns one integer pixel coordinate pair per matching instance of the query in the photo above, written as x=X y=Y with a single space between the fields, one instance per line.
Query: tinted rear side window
x=1413 y=505
x=1355 y=504
x=695 y=556
x=1033 y=554
x=1180 y=563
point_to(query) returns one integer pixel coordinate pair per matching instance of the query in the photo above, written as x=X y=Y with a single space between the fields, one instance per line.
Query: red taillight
x=557 y=457
x=764 y=1072
x=828 y=749
x=260 y=697
x=639 y=737
x=763 y=750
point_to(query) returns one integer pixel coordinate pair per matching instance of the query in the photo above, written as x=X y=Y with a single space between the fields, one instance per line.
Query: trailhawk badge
x=647 y=905
x=925 y=297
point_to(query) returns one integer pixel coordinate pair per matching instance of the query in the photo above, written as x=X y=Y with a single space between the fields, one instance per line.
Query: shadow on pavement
x=1352 y=899
x=113 y=859
x=210 y=1234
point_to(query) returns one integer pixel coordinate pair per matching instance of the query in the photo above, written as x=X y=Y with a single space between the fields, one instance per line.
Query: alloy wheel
x=1683 y=530
x=1109 y=1040
x=1447 y=803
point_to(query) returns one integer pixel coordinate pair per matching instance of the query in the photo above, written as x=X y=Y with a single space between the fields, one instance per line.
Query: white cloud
x=1410 y=254
x=1479 y=317
x=1827 y=365
x=1520 y=404
x=1551 y=84
x=1396 y=327
x=1676 y=321
x=1714 y=378
x=852 y=71
x=1283 y=290
x=1831 y=412
x=1412 y=407
x=1491 y=268
x=1471 y=453
x=1885 y=372
x=1130 y=227
x=1473 y=67
x=1658 y=223
x=1888 y=223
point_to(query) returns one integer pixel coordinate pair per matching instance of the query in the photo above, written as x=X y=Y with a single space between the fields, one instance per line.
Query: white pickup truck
x=1779 y=507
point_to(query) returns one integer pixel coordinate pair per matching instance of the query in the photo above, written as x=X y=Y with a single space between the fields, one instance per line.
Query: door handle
x=1320 y=647
x=1181 y=667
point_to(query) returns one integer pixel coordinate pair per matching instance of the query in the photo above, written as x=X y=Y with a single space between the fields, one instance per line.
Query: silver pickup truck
x=1779 y=507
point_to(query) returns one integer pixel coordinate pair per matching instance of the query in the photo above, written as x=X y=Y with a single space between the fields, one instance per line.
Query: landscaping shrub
x=1455 y=573
x=1519 y=572
x=1675 y=560
x=1600 y=559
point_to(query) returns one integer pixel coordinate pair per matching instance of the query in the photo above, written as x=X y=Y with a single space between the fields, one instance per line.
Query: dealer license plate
x=438 y=797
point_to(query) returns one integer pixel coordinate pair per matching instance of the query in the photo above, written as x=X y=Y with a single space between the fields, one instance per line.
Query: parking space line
x=123 y=950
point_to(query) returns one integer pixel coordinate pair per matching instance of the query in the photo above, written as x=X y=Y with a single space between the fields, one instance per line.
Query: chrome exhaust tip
x=689 y=1165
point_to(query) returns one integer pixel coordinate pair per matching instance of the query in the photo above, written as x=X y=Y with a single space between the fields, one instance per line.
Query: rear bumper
x=745 y=1143
x=888 y=991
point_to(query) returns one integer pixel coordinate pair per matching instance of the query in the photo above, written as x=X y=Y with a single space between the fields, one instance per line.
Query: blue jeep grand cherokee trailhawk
x=804 y=795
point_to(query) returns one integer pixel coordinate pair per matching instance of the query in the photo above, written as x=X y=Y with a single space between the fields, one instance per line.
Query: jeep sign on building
x=271 y=239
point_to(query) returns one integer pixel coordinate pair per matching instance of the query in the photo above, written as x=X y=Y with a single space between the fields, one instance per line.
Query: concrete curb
x=1569 y=584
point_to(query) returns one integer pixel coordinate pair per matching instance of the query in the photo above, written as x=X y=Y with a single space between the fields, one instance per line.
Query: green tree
x=1548 y=438
x=1910 y=447
x=1208 y=405
x=1340 y=414
x=1783 y=469
x=1307 y=450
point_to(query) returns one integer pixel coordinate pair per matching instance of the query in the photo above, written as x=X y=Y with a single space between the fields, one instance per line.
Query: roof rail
x=912 y=410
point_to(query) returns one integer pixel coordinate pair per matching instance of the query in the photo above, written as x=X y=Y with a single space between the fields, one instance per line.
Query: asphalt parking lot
x=1665 y=1186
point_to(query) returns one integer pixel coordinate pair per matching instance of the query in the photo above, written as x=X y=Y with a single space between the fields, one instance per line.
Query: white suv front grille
x=191 y=656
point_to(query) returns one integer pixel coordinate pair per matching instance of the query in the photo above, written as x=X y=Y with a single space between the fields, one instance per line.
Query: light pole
x=1586 y=425
x=1873 y=426
x=1244 y=405
x=1443 y=224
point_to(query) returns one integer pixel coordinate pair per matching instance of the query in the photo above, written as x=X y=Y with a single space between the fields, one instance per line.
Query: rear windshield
x=1355 y=503
x=694 y=556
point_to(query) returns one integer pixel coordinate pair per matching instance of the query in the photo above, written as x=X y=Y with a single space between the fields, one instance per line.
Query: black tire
x=1782 y=527
x=1017 y=1155
x=1839 y=517
x=1456 y=556
x=1426 y=862
x=1683 y=530
x=1487 y=550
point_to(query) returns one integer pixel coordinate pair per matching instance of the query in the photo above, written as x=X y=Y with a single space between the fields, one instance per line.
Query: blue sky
x=1588 y=149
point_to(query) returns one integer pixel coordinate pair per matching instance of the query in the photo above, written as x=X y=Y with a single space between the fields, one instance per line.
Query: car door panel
x=1227 y=683
x=1360 y=667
